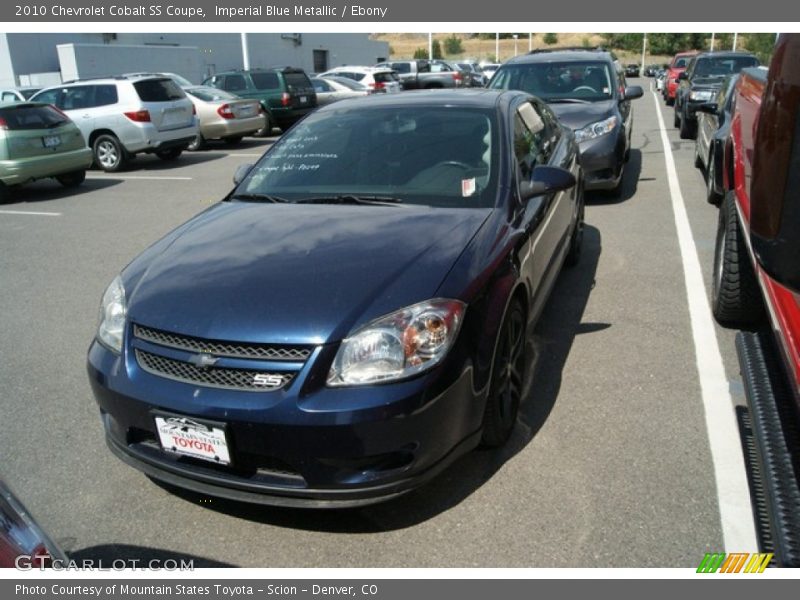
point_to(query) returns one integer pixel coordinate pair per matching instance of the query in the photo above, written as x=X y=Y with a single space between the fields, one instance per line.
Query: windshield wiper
x=351 y=199
x=567 y=101
x=259 y=198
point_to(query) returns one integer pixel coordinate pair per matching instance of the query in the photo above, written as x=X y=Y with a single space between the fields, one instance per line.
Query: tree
x=421 y=53
x=550 y=38
x=437 y=49
x=761 y=44
x=452 y=45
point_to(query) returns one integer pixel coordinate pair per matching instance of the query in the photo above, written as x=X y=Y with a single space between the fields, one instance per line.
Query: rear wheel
x=669 y=101
x=735 y=298
x=508 y=378
x=576 y=240
x=676 y=118
x=688 y=130
x=267 y=129
x=170 y=154
x=109 y=154
x=73 y=179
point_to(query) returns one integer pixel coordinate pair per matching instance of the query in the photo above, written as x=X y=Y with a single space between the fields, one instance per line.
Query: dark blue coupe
x=351 y=318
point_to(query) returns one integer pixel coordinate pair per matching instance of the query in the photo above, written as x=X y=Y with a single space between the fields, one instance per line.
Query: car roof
x=112 y=79
x=469 y=98
x=724 y=54
x=561 y=56
x=282 y=69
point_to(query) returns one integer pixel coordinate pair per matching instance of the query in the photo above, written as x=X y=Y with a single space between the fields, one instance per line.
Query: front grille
x=217 y=377
x=226 y=349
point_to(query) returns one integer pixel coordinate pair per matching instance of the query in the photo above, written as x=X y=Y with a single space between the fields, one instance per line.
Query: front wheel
x=198 y=143
x=676 y=118
x=73 y=179
x=735 y=296
x=508 y=379
x=712 y=195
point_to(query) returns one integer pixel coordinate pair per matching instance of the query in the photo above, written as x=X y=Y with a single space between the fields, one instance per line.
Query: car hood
x=576 y=116
x=294 y=273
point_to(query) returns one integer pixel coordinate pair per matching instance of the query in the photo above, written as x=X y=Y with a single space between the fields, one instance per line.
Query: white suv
x=123 y=116
x=376 y=79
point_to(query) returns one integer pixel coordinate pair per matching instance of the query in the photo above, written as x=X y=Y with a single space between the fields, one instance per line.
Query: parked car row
x=748 y=145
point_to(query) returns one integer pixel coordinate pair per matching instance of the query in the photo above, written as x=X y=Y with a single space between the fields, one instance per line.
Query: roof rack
x=82 y=79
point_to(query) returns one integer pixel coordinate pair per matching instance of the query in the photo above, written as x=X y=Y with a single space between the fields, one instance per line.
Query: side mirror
x=682 y=76
x=709 y=108
x=241 y=173
x=632 y=92
x=546 y=180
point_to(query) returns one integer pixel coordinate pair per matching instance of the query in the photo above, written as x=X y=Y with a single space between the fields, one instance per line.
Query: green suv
x=38 y=141
x=285 y=93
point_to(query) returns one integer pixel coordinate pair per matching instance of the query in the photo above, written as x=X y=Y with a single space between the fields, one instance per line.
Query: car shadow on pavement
x=150 y=162
x=43 y=190
x=549 y=346
x=630 y=183
x=118 y=556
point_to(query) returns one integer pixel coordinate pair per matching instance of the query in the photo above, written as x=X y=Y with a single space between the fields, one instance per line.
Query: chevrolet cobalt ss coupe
x=351 y=318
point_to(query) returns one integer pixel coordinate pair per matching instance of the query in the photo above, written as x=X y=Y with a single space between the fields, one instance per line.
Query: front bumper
x=15 y=172
x=289 y=447
x=603 y=159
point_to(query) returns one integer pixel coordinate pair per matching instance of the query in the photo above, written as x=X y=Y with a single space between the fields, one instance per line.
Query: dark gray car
x=589 y=95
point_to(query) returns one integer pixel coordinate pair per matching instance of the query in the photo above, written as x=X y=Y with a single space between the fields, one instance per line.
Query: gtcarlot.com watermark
x=26 y=562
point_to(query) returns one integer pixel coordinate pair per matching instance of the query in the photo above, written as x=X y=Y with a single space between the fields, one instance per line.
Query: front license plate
x=51 y=141
x=303 y=99
x=182 y=435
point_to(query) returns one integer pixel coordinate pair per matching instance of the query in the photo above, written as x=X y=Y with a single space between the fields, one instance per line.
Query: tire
x=669 y=101
x=265 y=131
x=735 y=298
x=71 y=180
x=109 y=154
x=5 y=193
x=712 y=196
x=688 y=131
x=508 y=379
x=199 y=143
x=170 y=154
x=233 y=140
x=576 y=239
x=698 y=162
x=676 y=118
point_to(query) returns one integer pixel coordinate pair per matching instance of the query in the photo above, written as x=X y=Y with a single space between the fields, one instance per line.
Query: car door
x=538 y=140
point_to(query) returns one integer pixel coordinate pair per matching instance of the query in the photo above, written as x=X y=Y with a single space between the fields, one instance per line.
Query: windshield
x=436 y=156
x=723 y=66
x=585 y=80
x=680 y=63
x=348 y=83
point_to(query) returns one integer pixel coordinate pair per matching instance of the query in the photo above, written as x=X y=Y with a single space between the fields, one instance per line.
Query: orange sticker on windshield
x=468 y=187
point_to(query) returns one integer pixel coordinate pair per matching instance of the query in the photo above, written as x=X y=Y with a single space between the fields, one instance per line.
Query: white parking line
x=733 y=494
x=234 y=154
x=146 y=177
x=30 y=212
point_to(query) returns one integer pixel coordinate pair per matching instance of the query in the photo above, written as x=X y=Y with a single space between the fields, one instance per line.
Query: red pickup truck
x=756 y=283
x=678 y=65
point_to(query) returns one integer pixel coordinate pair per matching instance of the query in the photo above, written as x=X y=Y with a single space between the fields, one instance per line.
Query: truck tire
x=735 y=297
x=688 y=130
x=676 y=118
x=712 y=195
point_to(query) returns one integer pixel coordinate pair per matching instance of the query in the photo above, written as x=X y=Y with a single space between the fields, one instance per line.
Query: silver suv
x=123 y=116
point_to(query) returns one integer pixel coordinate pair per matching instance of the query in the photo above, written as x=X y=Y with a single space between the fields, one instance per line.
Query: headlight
x=113 y=310
x=701 y=96
x=398 y=345
x=595 y=130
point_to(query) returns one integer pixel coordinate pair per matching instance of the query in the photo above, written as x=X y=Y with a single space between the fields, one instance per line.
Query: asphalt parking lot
x=611 y=463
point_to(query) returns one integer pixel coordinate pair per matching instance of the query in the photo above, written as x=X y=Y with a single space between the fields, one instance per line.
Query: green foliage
x=550 y=38
x=761 y=44
x=452 y=45
x=437 y=49
x=672 y=43
x=421 y=53
x=586 y=42
x=624 y=41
